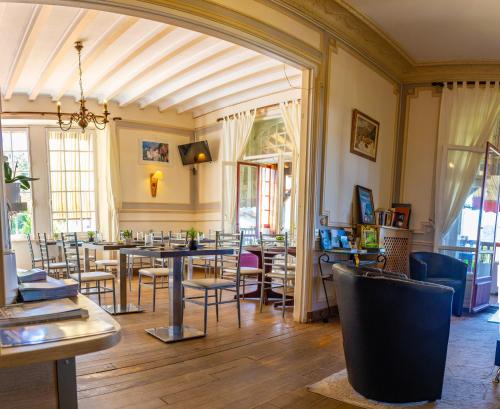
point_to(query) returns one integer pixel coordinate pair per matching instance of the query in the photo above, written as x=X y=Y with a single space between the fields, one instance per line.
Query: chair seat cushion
x=208 y=283
x=61 y=264
x=281 y=275
x=243 y=271
x=93 y=276
x=448 y=282
x=154 y=272
x=107 y=262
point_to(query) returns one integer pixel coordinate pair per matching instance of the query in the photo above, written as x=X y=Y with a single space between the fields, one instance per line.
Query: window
x=268 y=137
x=16 y=149
x=72 y=181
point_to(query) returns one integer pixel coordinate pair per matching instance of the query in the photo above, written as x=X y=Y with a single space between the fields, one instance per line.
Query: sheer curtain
x=291 y=113
x=108 y=170
x=236 y=131
x=468 y=117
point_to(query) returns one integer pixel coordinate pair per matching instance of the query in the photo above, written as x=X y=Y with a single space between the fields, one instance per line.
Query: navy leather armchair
x=441 y=269
x=395 y=334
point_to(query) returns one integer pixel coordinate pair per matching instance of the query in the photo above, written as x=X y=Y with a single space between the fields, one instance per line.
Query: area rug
x=464 y=396
x=468 y=378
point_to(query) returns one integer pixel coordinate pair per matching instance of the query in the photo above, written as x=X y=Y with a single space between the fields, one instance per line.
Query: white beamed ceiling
x=129 y=60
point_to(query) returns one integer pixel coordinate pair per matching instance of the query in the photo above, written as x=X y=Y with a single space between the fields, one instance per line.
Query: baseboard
x=323 y=314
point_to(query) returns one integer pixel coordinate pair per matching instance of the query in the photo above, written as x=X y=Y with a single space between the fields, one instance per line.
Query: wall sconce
x=153 y=180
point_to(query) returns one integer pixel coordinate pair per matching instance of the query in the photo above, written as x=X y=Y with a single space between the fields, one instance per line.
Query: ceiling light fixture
x=84 y=117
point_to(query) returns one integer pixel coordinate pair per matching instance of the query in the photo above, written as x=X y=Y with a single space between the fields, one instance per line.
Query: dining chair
x=35 y=261
x=218 y=285
x=70 y=242
x=52 y=267
x=157 y=276
x=228 y=266
x=278 y=265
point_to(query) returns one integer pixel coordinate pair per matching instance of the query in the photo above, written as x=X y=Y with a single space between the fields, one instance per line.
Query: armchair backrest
x=435 y=265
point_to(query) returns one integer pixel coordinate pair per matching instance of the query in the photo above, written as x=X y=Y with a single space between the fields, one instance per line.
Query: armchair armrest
x=457 y=270
x=418 y=269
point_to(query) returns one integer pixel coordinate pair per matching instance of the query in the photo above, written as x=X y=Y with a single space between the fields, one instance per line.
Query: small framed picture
x=154 y=152
x=369 y=237
x=365 y=205
x=364 y=135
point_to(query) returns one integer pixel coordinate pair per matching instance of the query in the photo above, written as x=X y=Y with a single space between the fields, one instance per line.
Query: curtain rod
x=263 y=107
x=442 y=84
x=43 y=113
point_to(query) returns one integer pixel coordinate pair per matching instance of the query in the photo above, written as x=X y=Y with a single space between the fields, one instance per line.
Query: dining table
x=175 y=330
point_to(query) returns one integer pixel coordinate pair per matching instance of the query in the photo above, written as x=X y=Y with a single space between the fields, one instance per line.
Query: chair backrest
x=158 y=237
x=30 y=247
x=232 y=241
x=274 y=253
x=71 y=252
x=179 y=237
x=44 y=250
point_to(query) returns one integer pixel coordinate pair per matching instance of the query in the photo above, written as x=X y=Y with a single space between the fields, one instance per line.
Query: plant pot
x=129 y=241
x=193 y=244
x=13 y=192
x=91 y=239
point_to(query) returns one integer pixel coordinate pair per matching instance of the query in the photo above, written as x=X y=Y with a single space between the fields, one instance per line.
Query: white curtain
x=236 y=131
x=291 y=113
x=468 y=117
x=108 y=171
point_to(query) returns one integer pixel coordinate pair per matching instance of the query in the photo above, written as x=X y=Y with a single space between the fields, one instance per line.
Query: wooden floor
x=266 y=364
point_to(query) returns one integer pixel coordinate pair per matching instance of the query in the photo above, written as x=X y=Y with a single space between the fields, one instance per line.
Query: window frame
x=22 y=237
x=94 y=134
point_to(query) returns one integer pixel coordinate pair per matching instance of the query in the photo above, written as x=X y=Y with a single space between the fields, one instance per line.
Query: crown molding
x=356 y=31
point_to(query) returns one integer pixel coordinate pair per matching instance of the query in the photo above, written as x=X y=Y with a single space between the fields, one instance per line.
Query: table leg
x=190 y=268
x=123 y=307
x=86 y=259
x=176 y=331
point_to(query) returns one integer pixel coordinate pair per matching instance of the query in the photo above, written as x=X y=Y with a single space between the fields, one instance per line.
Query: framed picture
x=402 y=215
x=154 y=151
x=365 y=205
x=364 y=135
x=369 y=237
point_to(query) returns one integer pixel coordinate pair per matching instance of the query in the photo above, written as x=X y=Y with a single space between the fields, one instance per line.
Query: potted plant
x=127 y=235
x=192 y=236
x=91 y=236
x=14 y=183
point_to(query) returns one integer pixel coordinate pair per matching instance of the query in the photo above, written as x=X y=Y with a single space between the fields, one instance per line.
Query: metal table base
x=175 y=333
x=128 y=309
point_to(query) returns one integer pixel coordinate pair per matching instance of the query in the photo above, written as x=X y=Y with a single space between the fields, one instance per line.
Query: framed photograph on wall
x=154 y=152
x=364 y=135
x=365 y=205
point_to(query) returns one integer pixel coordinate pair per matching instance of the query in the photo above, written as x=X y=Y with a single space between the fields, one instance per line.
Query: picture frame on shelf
x=364 y=135
x=366 y=207
x=369 y=237
x=402 y=213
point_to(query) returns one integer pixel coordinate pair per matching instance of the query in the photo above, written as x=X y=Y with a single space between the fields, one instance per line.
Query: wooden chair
x=53 y=268
x=70 y=241
x=218 y=285
x=278 y=265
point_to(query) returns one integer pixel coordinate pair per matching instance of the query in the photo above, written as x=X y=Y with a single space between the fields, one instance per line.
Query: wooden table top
x=50 y=351
x=108 y=246
x=173 y=252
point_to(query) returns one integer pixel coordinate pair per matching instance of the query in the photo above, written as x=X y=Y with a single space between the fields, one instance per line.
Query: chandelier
x=83 y=117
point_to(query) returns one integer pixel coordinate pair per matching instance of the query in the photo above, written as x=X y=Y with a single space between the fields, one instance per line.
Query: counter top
x=52 y=351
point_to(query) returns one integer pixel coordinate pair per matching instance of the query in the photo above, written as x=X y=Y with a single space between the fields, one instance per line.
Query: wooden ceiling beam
x=244 y=96
x=242 y=84
x=185 y=57
x=153 y=37
x=36 y=24
x=106 y=40
x=214 y=63
x=180 y=39
x=236 y=70
x=65 y=45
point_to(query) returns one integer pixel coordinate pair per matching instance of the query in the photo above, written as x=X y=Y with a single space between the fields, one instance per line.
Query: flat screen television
x=196 y=152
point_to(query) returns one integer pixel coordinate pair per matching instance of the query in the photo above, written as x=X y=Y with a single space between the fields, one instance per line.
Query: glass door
x=486 y=235
x=248 y=199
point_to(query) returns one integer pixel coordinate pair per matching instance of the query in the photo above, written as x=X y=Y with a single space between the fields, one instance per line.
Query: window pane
x=86 y=162
x=22 y=161
x=56 y=161
x=6 y=142
x=19 y=141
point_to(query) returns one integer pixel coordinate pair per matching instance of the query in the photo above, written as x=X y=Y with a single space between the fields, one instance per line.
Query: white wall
x=355 y=85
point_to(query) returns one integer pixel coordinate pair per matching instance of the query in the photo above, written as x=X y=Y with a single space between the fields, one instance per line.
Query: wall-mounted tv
x=196 y=152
